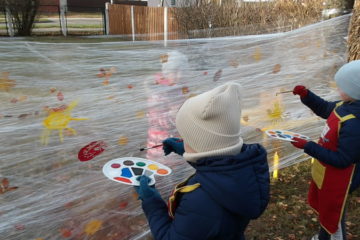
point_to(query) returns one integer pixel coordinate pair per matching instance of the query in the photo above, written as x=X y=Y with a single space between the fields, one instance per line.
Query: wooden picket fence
x=143 y=23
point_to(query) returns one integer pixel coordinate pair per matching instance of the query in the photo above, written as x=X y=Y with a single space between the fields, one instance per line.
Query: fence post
x=165 y=26
x=63 y=23
x=132 y=23
x=107 y=23
x=9 y=23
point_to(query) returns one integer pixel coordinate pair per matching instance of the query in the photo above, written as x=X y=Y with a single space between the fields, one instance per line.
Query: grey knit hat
x=348 y=79
x=210 y=122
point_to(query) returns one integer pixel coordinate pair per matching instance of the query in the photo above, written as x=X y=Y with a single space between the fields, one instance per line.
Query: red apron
x=329 y=186
x=176 y=194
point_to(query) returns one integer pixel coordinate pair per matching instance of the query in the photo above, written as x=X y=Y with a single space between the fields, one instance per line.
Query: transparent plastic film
x=67 y=108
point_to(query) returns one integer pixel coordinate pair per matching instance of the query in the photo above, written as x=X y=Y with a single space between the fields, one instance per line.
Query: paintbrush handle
x=155 y=146
x=290 y=91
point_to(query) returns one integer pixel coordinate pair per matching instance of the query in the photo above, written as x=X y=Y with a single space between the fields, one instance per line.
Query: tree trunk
x=354 y=34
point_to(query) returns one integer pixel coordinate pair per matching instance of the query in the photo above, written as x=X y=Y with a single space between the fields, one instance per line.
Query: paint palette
x=126 y=170
x=285 y=135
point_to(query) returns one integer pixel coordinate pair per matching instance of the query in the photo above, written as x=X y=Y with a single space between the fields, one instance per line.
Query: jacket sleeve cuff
x=310 y=147
x=153 y=204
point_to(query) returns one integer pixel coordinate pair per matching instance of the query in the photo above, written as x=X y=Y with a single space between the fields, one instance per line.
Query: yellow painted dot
x=153 y=167
x=22 y=98
x=123 y=141
x=92 y=227
x=185 y=90
x=140 y=114
x=257 y=56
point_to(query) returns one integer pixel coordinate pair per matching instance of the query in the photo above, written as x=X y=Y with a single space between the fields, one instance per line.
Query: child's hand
x=299 y=143
x=301 y=91
x=175 y=145
x=144 y=190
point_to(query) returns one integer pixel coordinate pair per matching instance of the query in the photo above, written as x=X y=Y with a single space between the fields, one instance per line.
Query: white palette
x=285 y=135
x=126 y=170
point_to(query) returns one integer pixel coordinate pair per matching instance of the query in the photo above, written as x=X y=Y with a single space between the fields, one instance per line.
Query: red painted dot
x=123 y=204
x=19 y=227
x=115 y=165
x=66 y=233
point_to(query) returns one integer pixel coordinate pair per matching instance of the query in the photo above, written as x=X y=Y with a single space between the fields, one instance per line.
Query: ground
x=288 y=216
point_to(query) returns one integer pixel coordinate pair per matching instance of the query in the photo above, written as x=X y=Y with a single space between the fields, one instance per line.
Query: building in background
x=164 y=3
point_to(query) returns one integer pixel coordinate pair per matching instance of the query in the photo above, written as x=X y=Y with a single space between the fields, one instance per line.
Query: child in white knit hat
x=230 y=185
x=335 y=171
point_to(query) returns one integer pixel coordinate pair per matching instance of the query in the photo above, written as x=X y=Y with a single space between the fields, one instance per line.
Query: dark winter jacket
x=348 y=150
x=234 y=189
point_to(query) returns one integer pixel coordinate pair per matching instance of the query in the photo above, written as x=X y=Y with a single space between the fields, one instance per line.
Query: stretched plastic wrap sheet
x=67 y=108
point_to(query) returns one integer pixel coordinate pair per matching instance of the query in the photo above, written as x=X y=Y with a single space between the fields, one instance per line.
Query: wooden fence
x=143 y=23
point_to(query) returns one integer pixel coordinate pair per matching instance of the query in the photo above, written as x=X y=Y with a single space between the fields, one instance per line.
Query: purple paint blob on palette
x=285 y=135
x=126 y=170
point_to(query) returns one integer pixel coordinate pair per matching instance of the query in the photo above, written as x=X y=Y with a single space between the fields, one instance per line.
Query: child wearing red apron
x=335 y=171
x=230 y=184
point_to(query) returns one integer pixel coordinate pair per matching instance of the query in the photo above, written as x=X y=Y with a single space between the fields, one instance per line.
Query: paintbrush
x=284 y=92
x=146 y=148
x=155 y=146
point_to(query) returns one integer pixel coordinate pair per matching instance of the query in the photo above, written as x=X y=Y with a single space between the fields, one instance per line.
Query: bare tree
x=23 y=13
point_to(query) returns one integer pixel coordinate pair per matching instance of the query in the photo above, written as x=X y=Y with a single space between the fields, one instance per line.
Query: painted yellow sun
x=59 y=120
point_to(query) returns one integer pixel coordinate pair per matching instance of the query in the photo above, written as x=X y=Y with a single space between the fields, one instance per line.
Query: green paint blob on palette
x=285 y=135
x=126 y=170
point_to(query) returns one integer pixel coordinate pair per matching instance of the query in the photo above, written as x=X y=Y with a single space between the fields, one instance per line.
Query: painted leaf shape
x=91 y=150
x=277 y=68
x=60 y=96
x=5 y=183
x=217 y=75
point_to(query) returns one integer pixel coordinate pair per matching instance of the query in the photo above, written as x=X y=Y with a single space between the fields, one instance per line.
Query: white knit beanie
x=348 y=79
x=210 y=122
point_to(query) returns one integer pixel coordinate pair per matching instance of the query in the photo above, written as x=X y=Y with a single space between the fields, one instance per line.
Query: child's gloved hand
x=299 y=142
x=175 y=145
x=144 y=190
x=301 y=91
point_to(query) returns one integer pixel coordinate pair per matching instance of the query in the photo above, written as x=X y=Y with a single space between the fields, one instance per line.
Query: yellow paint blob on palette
x=126 y=170
x=285 y=135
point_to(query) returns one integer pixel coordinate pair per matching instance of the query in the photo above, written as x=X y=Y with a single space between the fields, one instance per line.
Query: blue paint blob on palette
x=127 y=170
x=285 y=135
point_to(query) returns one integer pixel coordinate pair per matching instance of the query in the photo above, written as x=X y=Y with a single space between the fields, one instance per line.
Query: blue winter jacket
x=234 y=189
x=348 y=151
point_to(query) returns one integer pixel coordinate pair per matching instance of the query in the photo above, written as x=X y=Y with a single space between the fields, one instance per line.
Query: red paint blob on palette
x=115 y=165
x=91 y=150
x=121 y=179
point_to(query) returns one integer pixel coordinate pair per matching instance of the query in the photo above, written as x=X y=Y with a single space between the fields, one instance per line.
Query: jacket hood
x=238 y=183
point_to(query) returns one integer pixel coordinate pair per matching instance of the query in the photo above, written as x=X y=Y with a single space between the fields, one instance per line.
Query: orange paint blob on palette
x=162 y=171
x=126 y=170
